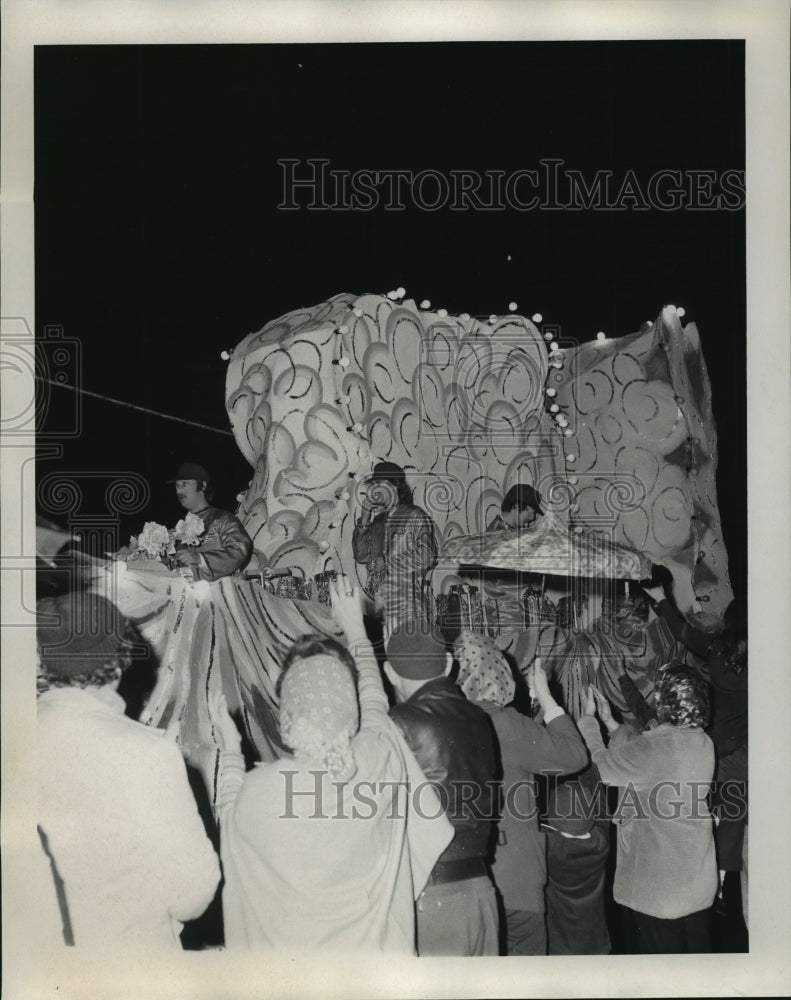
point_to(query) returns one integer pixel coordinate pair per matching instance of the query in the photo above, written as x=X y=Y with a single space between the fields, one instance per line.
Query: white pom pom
x=568 y=432
x=425 y=304
x=571 y=458
x=512 y=307
x=323 y=546
x=358 y=312
x=553 y=346
x=465 y=317
x=493 y=319
x=548 y=335
x=344 y=362
x=551 y=392
x=557 y=364
x=392 y=295
x=573 y=480
x=578 y=530
x=400 y=291
x=345 y=496
x=357 y=428
x=601 y=335
x=442 y=312
x=681 y=312
x=554 y=408
x=343 y=329
x=508 y=256
x=537 y=317
x=225 y=355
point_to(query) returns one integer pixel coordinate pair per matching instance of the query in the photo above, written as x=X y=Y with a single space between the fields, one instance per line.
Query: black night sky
x=159 y=241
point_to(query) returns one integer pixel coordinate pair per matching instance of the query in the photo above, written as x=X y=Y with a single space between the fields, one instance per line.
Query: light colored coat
x=666 y=864
x=121 y=822
x=310 y=863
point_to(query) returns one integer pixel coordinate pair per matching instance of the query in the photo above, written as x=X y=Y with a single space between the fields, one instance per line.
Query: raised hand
x=347 y=606
x=538 y=685
x=602 y=707
x=225 y=731
x=589 y=701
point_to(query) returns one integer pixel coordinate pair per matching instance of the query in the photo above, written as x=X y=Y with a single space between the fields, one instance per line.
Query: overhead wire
x=132 y=406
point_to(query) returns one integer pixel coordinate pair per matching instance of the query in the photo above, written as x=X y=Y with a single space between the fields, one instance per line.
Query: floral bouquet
x=157 y=542
x=187 y=531
x=153 y=542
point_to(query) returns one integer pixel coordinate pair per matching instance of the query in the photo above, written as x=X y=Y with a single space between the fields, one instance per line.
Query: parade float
x=616 y=434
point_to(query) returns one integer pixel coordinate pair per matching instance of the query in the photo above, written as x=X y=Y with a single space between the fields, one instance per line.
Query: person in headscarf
x=322 y=848
x=129 y=858
x=723 y=648
x=666 y=869
x=398 y=545
x=527 y=748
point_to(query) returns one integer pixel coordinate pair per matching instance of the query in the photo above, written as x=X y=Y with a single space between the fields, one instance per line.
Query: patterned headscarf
x=484 y=674
x=319 y=714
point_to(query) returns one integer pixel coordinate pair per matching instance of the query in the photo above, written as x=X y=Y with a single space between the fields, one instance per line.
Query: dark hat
x=78 y=631
x=417 y=651
x=390 y=471
x=191 y=470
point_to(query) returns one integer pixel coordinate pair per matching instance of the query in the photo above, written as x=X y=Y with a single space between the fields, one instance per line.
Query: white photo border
x=766 y=970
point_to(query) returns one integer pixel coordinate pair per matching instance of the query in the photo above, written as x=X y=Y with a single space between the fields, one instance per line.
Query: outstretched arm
x=636 y=703
x=230 y=763
x=695 y=640
x=556 y=745
x=348 y=611
x=621 y=764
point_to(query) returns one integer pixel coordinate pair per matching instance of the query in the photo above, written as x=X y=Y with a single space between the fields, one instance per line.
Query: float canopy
x=550 y=550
